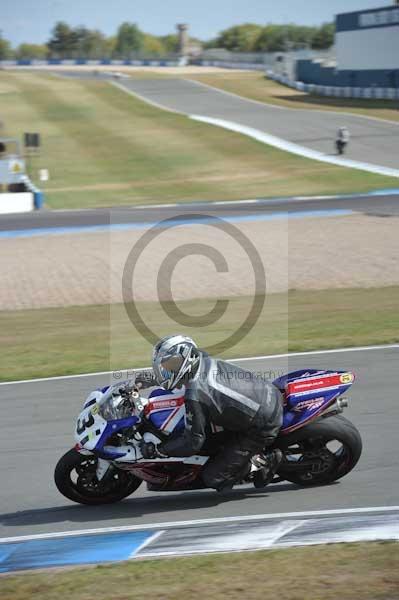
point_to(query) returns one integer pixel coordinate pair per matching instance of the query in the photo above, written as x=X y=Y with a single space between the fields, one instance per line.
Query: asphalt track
x=37 y=421
x=383 y=204
x=373 y=141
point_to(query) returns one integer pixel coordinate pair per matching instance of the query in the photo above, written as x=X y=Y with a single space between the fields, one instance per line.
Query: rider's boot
x=268 y=465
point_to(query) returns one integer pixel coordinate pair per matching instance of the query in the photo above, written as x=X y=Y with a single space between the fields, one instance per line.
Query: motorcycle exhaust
x=337 y=408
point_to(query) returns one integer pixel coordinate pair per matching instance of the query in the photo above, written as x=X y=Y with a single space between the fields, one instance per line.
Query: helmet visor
x=169 y=367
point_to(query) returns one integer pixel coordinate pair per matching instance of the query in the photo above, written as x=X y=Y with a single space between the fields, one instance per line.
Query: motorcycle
x=319 y=445
x=341 y=146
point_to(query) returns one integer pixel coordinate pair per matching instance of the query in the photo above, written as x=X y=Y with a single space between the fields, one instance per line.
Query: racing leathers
x=245 y=404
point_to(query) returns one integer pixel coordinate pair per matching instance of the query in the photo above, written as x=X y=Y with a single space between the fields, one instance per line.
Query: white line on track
x=268 y=139
x=201 y=522
x=272 y=140
x=248 y=358
x=245 y=359
x=234 y=203
x=147 y=542
x=144 y=99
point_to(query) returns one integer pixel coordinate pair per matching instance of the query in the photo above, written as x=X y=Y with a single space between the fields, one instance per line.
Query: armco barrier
x=162 y=62
x=80 y=61
x=337 y=91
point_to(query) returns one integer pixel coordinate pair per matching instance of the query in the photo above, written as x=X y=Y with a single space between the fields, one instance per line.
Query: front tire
x=75 y=477
x=320 y=452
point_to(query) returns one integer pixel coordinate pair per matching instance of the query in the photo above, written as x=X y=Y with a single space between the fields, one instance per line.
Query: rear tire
x=310 y=444
x=87 y=489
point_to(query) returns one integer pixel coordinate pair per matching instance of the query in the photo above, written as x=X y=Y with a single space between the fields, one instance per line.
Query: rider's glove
x=128 y=389
x=150 y=450
x=145 y=379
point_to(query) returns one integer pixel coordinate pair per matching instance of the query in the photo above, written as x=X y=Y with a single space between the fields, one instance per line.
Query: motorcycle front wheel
x=75 y=477
x=320 y=452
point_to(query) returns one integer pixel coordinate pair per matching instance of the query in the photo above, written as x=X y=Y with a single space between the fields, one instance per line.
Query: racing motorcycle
x=340 y=146
x=319 y=445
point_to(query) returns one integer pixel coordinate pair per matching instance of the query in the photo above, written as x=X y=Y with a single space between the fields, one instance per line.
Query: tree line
x=80 y=42
x=250 y=37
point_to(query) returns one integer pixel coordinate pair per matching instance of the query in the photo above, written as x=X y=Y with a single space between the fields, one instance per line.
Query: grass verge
x=349 y=571
x=103 y=147
x=61 y=341
x=255 y=86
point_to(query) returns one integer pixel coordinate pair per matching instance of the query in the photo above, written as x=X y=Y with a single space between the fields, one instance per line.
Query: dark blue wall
x=384 y=16
x=308 y=71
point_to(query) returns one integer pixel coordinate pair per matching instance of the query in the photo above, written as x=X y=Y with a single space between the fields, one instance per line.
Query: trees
x=5 y=48
x=62 y=42
x=274 y=38
x=277 y=38
x=152 y=46
x=78 y=42
x=27 y=51
x=89 y=43
x=324 y=36
x=170 y=43
x=129 y=40
x=240 y=38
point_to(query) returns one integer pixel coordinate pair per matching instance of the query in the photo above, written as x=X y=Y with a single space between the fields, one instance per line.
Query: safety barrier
x=336 y=91
x=226 y=64
x=17 y=202
x=79 y=61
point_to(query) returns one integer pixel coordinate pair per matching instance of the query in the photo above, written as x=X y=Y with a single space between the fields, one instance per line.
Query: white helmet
x=173 y=357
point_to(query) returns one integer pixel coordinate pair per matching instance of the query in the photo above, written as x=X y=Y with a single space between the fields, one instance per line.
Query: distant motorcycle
x=319 y=445
x=341 y=146
x=342 y=140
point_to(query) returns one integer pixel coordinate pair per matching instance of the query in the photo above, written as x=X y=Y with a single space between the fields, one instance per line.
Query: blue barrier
x=310 y=71
x=38 y=199
x=38 y=195
x=382 y=93
x=162 y=62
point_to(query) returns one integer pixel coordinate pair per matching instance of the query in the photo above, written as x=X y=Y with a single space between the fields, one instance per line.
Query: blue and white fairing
x=104 y=414
x=166 y=410
x=308 y=393
x=95 y=424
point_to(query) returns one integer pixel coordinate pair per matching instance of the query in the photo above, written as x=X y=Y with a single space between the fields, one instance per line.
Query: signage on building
x=380 y=17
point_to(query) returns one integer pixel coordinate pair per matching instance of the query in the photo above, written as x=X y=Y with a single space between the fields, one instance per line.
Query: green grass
x=61 y=341
x=348 y=571
x=105 y=148
x=254 y=85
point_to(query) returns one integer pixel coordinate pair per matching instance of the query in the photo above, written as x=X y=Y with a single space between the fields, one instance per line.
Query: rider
x=343 y=137
x=248 y=406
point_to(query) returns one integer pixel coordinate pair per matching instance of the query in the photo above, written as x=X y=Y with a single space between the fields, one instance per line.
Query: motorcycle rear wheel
x=75 y=477
x=331 y=447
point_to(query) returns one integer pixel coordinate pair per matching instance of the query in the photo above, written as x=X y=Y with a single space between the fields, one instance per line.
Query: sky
x=32 y=20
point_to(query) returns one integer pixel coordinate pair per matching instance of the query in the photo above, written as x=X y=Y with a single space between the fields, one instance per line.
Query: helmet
x=173 y=357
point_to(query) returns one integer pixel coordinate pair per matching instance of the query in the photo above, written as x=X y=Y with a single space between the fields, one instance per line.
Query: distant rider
x=342 y=139
x=247 y=406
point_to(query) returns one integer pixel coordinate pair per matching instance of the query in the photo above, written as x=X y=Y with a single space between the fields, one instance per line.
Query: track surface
x=37 y=422
x=374 y=205
x=372 y=141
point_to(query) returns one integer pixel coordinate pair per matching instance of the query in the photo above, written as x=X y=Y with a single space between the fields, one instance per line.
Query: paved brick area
x=310 y=253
